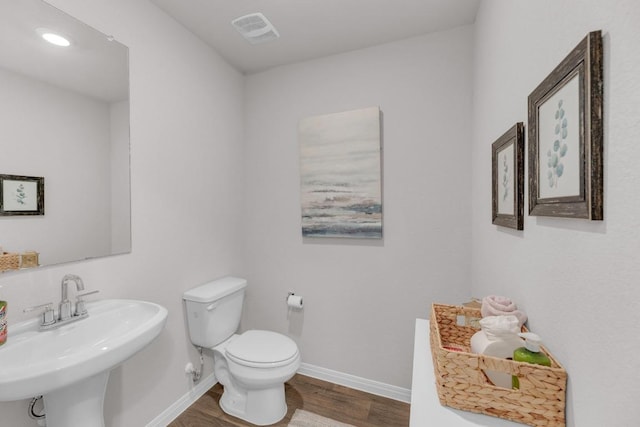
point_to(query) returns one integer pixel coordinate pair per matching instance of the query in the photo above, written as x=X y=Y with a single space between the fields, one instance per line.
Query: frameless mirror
x=64 y=114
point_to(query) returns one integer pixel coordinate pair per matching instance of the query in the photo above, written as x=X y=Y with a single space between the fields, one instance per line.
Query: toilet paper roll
x=503 y=349
x=295 y=301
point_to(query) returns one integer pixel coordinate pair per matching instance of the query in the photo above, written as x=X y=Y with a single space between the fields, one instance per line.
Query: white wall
x=578 y=280
x=120 y=178
x=186 y=152
x=362 y=296
x=62 y=136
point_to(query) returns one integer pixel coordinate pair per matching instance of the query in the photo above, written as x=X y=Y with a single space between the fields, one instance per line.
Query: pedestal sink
x=70 y=365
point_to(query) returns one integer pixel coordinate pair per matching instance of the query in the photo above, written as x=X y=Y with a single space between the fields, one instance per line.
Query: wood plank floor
x=323 y=398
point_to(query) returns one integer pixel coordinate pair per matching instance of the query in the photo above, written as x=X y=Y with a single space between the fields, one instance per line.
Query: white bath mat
x=302 y=418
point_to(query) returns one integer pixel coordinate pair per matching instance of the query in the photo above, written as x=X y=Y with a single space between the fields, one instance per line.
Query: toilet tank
x=214 y=310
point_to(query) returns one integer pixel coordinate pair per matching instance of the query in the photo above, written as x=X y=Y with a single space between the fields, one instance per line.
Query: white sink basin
x=35 y=362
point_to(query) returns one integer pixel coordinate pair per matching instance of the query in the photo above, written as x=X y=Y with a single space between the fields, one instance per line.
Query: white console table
x=426 y=410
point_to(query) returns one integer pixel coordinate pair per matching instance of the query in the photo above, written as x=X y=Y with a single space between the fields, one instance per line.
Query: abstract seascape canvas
x=340 y=174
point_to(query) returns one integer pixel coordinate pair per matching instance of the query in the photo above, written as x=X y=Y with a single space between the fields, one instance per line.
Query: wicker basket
x=9 y=261
x=462 y=384
x=29 y=259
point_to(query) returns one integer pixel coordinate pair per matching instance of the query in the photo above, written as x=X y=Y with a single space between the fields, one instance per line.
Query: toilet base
x=253 y=394
x=260 y=407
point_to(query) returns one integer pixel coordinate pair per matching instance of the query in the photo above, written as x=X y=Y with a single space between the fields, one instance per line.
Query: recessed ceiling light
x=53 y=37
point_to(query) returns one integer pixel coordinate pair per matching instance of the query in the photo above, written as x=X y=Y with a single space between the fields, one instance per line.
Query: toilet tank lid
x=214 y=290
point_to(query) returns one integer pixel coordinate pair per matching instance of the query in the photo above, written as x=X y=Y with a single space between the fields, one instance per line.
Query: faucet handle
x=48 y=316
x=81 y=309
x=79 y=296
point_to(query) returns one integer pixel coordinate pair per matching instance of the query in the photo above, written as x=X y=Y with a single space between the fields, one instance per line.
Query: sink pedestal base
x=77 y=405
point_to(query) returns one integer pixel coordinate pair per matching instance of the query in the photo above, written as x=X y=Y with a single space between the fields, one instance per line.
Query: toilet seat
x=262 y=349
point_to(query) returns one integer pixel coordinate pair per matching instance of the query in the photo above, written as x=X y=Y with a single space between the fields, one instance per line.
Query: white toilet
x=253 y=366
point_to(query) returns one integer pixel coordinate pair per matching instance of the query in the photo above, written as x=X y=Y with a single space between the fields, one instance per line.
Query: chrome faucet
x=65 y=304
x=49 y=319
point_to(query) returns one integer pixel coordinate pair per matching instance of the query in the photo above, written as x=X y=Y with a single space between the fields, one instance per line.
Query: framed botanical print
x=566 y=138
x=21 y=195
x=507 y=181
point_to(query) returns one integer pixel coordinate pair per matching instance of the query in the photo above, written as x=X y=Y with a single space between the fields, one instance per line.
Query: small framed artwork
x=21 y=195
x=507 y=181
x=566 y=138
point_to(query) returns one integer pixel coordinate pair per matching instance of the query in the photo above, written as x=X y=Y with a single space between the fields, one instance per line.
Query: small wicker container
x=9 y=261
x=462 y=384
x=29 y=259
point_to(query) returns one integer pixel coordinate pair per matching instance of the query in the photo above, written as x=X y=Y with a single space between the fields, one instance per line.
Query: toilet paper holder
x=294 y=301
x=288 y=295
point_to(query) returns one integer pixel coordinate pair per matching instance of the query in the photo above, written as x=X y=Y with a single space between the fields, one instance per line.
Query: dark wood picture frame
x=507 y=182
x=31 y=208
x=582 y=196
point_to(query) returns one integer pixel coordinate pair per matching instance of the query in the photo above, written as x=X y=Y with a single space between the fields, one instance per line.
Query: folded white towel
x=494 y=305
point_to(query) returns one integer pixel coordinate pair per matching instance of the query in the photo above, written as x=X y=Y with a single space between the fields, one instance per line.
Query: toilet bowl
x=252 y=366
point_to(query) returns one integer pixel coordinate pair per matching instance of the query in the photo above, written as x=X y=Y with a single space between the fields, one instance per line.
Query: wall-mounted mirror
x=64 y=117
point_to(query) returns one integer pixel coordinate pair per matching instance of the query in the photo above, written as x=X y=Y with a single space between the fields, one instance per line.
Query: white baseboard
x=347 y=380
x=180 y=405
x=358 y=383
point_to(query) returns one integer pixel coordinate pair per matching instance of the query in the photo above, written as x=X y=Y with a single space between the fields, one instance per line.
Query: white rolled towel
x=495 y=305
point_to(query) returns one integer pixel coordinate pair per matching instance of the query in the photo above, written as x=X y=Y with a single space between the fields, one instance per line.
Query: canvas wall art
x=340 y=174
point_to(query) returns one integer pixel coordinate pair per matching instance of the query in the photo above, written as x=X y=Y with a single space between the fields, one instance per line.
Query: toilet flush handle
x=212 y=306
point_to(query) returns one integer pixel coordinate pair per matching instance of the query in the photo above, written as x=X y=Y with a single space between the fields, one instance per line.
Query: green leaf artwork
x=559 y=150
x=505 y=178
x=20 y=195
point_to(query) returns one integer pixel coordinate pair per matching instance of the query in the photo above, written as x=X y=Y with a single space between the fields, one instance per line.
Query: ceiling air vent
x=256 y=28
